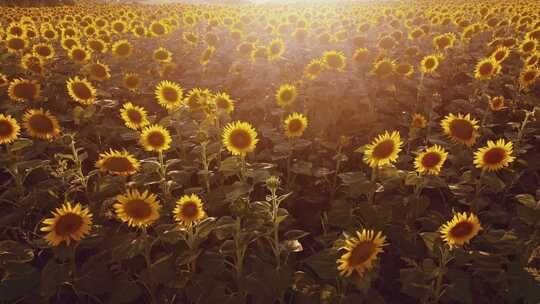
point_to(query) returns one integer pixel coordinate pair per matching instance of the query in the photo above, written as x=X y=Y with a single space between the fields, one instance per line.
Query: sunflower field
x=339 y=152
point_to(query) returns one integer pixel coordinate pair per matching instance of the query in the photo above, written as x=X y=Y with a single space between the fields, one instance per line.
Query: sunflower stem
x=478 y=190
x=148 y=259
x=206 y=166
x=243 y=173
x=289 y=159
x=444 y=258
x=73 y=260
x=275 y=222
x=523 y=125
x=163 y=174
x=338 y=167
x=374 y=171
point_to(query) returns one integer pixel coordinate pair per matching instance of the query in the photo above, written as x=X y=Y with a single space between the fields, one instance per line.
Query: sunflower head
x=500 y=54
x=16 y=44
x=169 y=94
x=497 y=103
x=431 y=160
x=97 y=45
x=383 y=150
x=224 y=103
x=286 y=95
x=189 y=210
x=131 y=81
x=334 y=60
x=429 y=64
x=9 y=129
x=42 y=124
x=314 y=69
x=43 y=50
x=162 y=55
x=137 y=209
x=118 y=163
x=494 y=156
x=383 y=68
x=460 y=128
x=361 y=252
x=69 y=223
x=24 y=90
x=295 y=124
x=134 y=117
x=81 y=90
x=487 y=68
x=418 y=121
x=155 y=138
x=461 y=229
x=239 y=138
x=79 y=54
x=98 y=71
x=122 y=48
x=404 y=69
x=360 y=55
x=528 y=77
x=276 y=48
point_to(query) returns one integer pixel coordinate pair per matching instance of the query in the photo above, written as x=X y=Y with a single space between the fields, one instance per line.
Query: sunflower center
x=96 y=45
x=462 y=229
x=494 y=156
x=41 y=123
x=295 y=125
x=286 y=95
x=361 y=253
x=79 y=55
x=486 y=68
x=276 y=48
x=384 y=68
x=430 y=63
x=190 y=210
x=156 y=139
x=49 y=34
x=69 y=43
x=81 y=90
x=431 y=159
x=240 y=139
x=134 y=116
x=16 y=44
x=222 y=103
x=118 y=164
x=99 y=71
x=529 y=76
x=25 y=90
x=6 y=129
x=132 y=82
x=158 y=29
x=119 y=27
x=527 y=47
x=169 y=94
x=43 y=51
x=123 y=49
x=68 y=224
x=138 y=209
x=462 y=129
x=383 y=149
x=334 y=61
x=161 y=55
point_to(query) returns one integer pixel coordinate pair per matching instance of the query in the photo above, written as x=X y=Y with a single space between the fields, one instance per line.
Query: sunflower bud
x=272 y=183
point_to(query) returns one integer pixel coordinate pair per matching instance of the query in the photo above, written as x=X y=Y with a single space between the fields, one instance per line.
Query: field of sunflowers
x=351 y=152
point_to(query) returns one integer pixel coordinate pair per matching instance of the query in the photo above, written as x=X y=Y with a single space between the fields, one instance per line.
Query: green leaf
x=124 y=291
x=295 y=234
x=324 y=264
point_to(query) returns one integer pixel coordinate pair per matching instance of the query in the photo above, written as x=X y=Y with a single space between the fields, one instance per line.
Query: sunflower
x=9 y=129
x=41 y=124
x=155 y=138
x=118 y=163
x=119 y=27
x=461 y=229
x=286 y=95
x=487 y=68
x=122 y=48
x=494 y=156
x=32 y=63
x=528 y=77
x=334 y=60
x=259 y=54
x=137 y=209
x=239 y=138
x=98 y=71
x=224 y=102
x=460 y=128
x=431 y=160
x=24 y=90
x=383 y=68
x=162 y=55
x=314 y=69
x=69 y=43
x=276 y=48
x=405 y=69
x=361 y=252
x=97 y=45
x=169 y=94
x=16 y=44
x=69 y=223
x=444 y=41
x=500 y=54
x=134 y=117
x=189 y=210
x=79 y=54
x=360 y=55
x=131 y=81
x=81 y=90
x=295 y=125
x=429 y=64
x=158 y=28
x=43 y=50
x=528 y=46
x=418 y=121
x=497 y=103
x=383 y=150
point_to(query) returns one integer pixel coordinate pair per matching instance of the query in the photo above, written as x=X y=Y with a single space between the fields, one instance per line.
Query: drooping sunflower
x=118 y=163
x=240 y=138
x=9 y=129
x=43 y=50
x=122 y=48
x=383 y=150
x=134 y=117
x=494 y=156
x=137 y=209
x=98 y=71
x=487 y=68
x=162 y=55
x=81 y=90
x=131 y=81
x=461 y=229
x=295 y=125
x=528 y=77
x=169 y=94
x=497 y=103
x=361 y=252
x=224 y=102
x=429 y=64
x=276 y=48
x=383 y=68
x=189 y=210
x=334 y=60
x=286 y=95
x=500 y=54
x=314 y=69
x=418 y=121
x=460 y=128
x=40 y=123
x=24 y=90
x=431 y=160
x=155 y=138
x=80 y=54
x=69 y=223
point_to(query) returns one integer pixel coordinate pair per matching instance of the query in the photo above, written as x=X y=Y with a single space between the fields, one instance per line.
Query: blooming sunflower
x=32 y=63
x=97 y=45
x=286 y=95
x=383 y=68
x=79 y=54
x=131 y=81
x=134 y=117
x=334 y=60
x=169 y=94
x=295 y=125
x=69 y=223
x=528 y=46
x=239 y=138
x=9 y=129
x=460 y=128
x=118 y=163
x=189 y=210
x=24 y=90
x=98 y=71
x=122 y=48
x=429 y=64
x=361 y=252
x=487 y=68
x=461 y=229
x=41 y=124
x=155 y=138
x=383 y=150
x=405 y=69
x=81 y=90
x=43 y=50
x=162 y=55
x=418 y=121
x=276 y=48
x=500 y=54
x=528 y=77
x=494 y=156
x=497 y=103
x=137 y=209
x=224 y=102
x=16 y=44
x=431 y=160
x=314 y=69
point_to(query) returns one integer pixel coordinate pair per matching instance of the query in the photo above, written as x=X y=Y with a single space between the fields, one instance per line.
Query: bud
x=272 y=183
x=344 y=141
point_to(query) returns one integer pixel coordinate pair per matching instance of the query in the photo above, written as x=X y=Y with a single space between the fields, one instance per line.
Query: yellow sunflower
x=418 y=121
x=334 y=60
x=118 y=163
x=286 y=95
x=81 y=90
x=383 y=68
x=276 y=48
x=528 y=77
x=431 y=160
x=98 y=71
x=295 y=125
x=16 y=44
x=314 y=69
x=239 y=138
x=43 y=50
x=131 y=81
x=459 y=128
x=460 y=230
x=383 y=150
x=189 y=210
x=500 y=54
x=169 y=94
x=24 y=90
x=494 y=156
x=41 y=124
x=122 y=48
x=97 y=45
x=497 y=104
x=528 y=46
x=9 y=129
x=162 y=55
x=487 y=68
x=134 y=117
x=32 y=63
x=361 y=252
x=137 y=209
x=224 y=102
x=429 y=64
x=79 y=54
x=69 y=223
x=155 y=138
